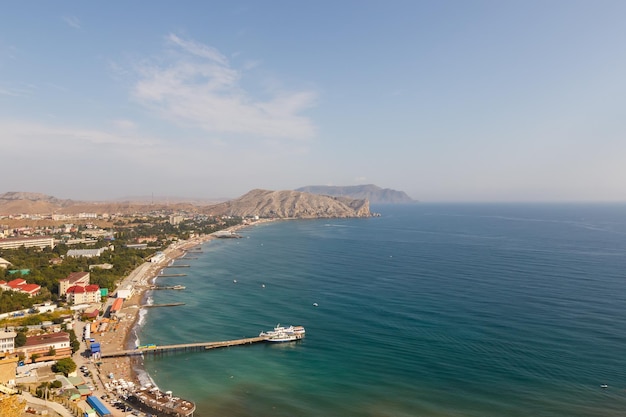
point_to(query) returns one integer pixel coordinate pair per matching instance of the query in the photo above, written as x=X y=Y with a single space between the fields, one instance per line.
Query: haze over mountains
x=371 y=192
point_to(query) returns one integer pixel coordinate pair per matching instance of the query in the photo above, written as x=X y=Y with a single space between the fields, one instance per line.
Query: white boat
x=283 y=334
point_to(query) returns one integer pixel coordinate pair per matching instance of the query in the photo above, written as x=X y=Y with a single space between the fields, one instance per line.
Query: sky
x=473 y=101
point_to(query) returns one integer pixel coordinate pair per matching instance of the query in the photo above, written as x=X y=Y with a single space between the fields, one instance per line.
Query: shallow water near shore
x=430 y=310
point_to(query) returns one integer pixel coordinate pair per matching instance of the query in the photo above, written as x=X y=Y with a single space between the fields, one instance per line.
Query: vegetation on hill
x=46 y=273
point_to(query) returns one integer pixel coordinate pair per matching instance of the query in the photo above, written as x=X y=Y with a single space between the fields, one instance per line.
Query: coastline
x=124 y=337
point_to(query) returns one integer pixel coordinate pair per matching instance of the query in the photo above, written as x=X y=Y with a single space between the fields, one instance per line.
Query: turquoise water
x=429 y=310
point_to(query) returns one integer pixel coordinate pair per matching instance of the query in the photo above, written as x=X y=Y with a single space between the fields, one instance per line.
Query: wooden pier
x=183 y=347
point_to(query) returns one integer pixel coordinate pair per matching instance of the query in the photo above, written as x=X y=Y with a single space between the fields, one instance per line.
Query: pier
x=162 y=305
x=175 y=287
x=184 y=347
x=178 y=266
x=170 y=275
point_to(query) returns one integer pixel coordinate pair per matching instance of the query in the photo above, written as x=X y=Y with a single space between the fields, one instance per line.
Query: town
x=62 y=274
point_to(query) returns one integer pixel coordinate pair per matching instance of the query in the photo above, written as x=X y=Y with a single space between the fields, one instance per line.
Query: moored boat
x=283 y=334
x=156 y=402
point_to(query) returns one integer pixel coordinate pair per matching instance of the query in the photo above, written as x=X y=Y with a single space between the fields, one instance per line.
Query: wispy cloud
x=72 y=21
x=5 y=92
x=26 y=135
x=23 y=90
x=199 y=87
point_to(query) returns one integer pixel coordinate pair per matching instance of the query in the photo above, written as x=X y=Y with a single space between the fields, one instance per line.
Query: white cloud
x=198 y=49
x=200 y=88
x=72 y=21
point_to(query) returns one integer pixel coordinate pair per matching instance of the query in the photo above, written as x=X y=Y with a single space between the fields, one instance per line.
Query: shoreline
x=131 y=369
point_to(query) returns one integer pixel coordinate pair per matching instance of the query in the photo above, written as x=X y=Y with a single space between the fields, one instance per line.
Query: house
x=75 y=278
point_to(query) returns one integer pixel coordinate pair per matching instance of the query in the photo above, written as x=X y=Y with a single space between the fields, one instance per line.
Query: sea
x=473 y=310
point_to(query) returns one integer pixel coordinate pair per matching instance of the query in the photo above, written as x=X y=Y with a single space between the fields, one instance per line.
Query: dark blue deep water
x=429 y=310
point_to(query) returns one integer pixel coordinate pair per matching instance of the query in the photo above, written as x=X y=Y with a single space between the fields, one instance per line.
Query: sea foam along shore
x=125 y=337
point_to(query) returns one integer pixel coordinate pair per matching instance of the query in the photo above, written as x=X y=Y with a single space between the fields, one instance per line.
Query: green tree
x=65 y=365
x=52 y=351
x=20 y=339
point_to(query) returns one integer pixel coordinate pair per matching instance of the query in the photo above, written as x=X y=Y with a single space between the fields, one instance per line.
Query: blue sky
x=446 y=100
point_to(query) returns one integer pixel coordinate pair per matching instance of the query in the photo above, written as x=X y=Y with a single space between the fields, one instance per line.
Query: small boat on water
x=283 y=334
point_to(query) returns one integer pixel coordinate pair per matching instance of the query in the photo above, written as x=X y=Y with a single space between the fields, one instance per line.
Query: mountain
x=371 y=192
x=36 y=203
x=291 y=204
x=262 y=203
x=30 y=203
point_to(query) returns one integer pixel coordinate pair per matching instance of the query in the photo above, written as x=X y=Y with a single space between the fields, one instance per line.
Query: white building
x=87 y=253
x=27 y=242
x=158 y=257
x=7 y=341
x=125 y=293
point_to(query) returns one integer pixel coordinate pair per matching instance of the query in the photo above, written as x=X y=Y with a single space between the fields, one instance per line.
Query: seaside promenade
x=112 y=342
x=117 y=339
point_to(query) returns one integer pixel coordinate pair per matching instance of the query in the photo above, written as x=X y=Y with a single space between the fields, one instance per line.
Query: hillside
x=262 y=203
x=291 y=204
x=36 y=203
x=371 y=192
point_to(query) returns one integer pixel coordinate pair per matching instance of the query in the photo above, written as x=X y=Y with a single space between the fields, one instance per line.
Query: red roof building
x=41 y=346
x=16 y=283
x=78 y=294
x=20 y=285
x=31 y=289
x=75 y=278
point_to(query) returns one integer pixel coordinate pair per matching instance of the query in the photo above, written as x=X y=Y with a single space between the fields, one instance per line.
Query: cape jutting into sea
x=429 y=310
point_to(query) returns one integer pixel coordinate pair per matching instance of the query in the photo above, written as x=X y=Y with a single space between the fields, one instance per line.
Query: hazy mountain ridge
x=262 y=203
x=371 y=192
x=291 y=204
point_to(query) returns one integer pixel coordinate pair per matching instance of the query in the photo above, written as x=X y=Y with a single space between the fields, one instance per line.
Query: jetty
x=175 y=287
x=200 y=346
x=170 y=275
x=162 y=305
x=178 y=266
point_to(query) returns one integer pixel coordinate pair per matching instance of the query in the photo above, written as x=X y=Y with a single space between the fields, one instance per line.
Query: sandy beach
x=119 y=333
x=120 y=338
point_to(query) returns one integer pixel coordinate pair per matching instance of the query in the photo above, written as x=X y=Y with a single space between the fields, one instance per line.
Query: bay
x=428 y=310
